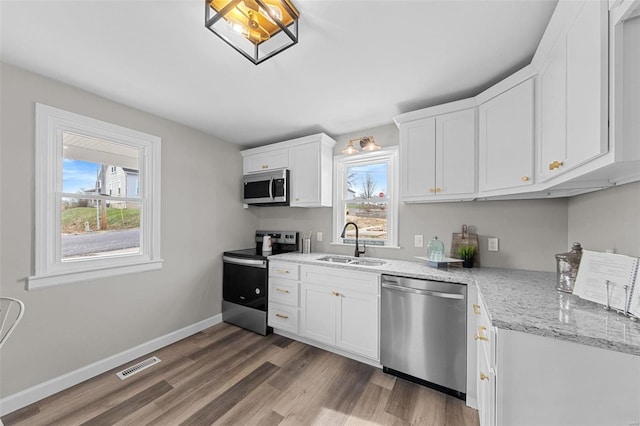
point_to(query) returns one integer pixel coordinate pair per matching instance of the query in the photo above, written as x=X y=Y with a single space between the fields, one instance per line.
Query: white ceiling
x=357 y=64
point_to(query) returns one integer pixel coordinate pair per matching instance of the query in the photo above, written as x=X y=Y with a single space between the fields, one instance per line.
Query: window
x=366 y=193
x=81 y=232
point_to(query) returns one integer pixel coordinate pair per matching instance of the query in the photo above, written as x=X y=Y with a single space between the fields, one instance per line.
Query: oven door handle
x=245 y=262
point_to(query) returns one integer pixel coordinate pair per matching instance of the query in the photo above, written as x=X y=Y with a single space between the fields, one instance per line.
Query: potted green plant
x=467 y=254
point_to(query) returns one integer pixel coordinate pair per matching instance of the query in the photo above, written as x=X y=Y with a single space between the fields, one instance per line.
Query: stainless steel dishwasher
x=423 y=332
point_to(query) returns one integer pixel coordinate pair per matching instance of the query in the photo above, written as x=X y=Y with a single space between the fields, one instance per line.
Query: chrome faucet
x=357 y=252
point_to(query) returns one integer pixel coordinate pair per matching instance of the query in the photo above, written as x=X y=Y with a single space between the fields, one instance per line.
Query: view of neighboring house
x=118 y=181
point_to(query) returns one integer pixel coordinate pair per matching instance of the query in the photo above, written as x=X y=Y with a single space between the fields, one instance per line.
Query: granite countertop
x=518 y=300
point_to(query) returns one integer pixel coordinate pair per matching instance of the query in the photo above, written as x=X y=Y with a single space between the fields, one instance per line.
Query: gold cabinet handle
x=476 y=309
x=432 y=190
x=438 y=189
x=335 y=293
x=282 y=271
x=480 y=335
x=282 y=291
x=297 y=199
x=556 y=164
x=484 y=376
x=525 y=178
x=282 y=316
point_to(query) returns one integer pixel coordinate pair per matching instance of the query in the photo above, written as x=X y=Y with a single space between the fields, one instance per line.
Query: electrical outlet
x=418 y=241
x=493 y=244
x=319 y=236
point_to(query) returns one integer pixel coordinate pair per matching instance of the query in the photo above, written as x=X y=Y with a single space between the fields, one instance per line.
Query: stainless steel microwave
x=267 y=188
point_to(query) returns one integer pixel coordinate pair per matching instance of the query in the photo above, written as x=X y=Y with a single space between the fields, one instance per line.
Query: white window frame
x=341 y=163
x=51 y=123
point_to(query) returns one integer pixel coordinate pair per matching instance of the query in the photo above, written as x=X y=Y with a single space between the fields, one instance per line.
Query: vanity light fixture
x=257 y=29
x=367 y=143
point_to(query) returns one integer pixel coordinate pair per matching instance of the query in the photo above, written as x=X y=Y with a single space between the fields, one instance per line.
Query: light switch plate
x=319 y=236
x=418 y=241
x=493 y=244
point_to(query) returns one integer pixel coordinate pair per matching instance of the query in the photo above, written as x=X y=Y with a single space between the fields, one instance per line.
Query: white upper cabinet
x=266 y=160
x=438 y=153
x=572 y=89
x=312 y=173
x=506 y=139
x=310 y=162
x=456 y=154
x=417 y=162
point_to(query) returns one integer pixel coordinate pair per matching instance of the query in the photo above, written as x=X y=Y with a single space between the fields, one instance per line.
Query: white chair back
x=11 y=312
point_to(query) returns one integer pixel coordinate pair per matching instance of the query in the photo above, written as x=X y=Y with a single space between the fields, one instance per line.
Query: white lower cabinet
x=340 y=308
x=318 y=306
x=284 y=299
x=525 y=379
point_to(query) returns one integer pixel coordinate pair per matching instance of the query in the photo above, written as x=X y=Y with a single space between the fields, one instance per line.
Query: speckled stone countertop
x=517 y=300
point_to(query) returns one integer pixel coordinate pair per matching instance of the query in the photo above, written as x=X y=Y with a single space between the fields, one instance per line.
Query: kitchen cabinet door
x=456 y=153
x=311 y=166
x=265 y=161
x=438 y=157
x=357 y=323
x=546 y=381
x=417 y=165
x=486 y=381
x=573 y=91
x=506 y=142
x=318 y=313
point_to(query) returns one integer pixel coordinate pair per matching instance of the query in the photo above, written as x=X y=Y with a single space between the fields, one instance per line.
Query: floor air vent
x=130 y=371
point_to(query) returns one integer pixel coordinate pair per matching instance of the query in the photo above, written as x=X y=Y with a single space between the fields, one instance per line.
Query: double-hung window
x=84 y=229
x=366 y=193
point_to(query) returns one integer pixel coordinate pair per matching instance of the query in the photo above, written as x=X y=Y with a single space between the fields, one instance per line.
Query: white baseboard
x=35 y=393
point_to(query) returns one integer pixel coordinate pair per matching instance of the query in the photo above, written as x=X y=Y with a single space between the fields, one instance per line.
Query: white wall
x=68 y=327
x=531 y=232
x=608 y=219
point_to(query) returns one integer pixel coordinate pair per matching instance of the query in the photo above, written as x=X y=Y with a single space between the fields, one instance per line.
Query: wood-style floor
x=226 y=375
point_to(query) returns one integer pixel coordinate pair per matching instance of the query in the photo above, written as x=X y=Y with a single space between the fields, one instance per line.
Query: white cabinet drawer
x=284 y=270
x=341 y=278
x=283 y=317
x=283 y=291
x=484 y=332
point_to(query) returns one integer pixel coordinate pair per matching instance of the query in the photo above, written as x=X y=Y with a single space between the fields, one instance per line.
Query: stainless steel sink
x=352 y=261
x=335 y=259
x=367 y=262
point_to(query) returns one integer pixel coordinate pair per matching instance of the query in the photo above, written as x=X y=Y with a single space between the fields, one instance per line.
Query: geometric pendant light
x=257 y=29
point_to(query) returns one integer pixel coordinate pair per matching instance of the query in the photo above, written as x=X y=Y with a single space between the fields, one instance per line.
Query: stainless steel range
x=245 y=280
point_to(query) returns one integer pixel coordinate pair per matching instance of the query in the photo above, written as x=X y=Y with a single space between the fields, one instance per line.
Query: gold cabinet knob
x=525 y=178
x=483 y=376
x=438 y=189
x=432 y=190
x=282 y=316
x=476 y=309
x=282 y=290
x=335 y=293
x=480 y=335
x=555 y=165
x=297 y=199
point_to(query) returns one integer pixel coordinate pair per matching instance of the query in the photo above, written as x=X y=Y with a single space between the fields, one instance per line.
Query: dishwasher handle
x=440 y=294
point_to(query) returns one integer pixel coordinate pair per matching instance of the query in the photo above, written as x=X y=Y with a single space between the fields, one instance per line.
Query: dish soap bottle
x=435 y=250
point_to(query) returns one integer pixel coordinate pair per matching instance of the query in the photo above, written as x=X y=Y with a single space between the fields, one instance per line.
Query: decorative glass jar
x=435 y=250
x=567 y=265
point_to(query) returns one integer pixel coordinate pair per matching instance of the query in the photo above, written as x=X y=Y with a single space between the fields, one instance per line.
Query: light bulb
x=271 y=13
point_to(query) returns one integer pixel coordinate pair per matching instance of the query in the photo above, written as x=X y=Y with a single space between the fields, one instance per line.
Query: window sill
x=360 y=245
x=37 y=282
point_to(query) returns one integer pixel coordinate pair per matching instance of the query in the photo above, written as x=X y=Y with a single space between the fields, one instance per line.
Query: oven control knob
x=257 y=291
